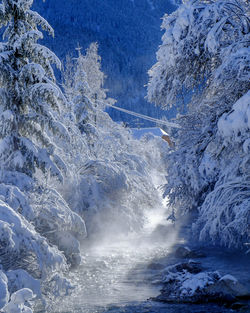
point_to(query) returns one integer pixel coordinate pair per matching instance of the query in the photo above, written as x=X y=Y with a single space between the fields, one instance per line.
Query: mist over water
x=117 y=274
x=120 y=268
x=114 y=272
x=115 y=267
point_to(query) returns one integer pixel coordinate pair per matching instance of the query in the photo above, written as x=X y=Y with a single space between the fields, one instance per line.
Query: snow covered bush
x=59 y=224
x=18 y=302
x=23 y=247
x=205 y=56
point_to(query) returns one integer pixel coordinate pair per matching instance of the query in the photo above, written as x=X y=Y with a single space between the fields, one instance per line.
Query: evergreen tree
x=83 y=84
x=38 y=232
x=84 y=109
x=205 y=53
x=30 y=97
x=91 y=64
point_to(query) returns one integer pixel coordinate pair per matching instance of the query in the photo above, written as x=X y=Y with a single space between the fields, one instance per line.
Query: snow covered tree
x=198 y=37
x=224 y=215
x=87 y=68
x=91 y=64
x=83 y=84
x=39 y=234
x=84 y=109
x=205 y=54
x=29 y=95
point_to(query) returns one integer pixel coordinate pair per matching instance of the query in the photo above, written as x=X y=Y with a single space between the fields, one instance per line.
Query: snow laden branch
x=198 y=37
x=205 y=57
x=39 y=233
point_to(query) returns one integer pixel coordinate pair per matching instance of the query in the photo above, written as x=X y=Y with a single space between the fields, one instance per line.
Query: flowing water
x=115 y=271
x=120 y=275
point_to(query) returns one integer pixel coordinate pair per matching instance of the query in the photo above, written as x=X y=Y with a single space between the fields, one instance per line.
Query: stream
x=120 y=276
x=120 y=273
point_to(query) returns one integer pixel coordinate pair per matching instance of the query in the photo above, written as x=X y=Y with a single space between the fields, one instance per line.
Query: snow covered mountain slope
x=128 y=33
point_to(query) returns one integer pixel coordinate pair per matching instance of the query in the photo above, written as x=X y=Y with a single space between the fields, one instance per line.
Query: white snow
x=230 y=278
x=236 y=124
x=186 y=283
x=138 y=133
x=19 y=279
x=18 y=302
x=4 y=294
x=194 y=282
x=106 y=173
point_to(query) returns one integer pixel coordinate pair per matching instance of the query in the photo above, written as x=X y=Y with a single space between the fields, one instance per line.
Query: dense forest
x=128 y=34
x=71 y=175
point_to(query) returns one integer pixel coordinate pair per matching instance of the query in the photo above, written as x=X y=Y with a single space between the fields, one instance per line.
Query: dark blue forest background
x=128 y=33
